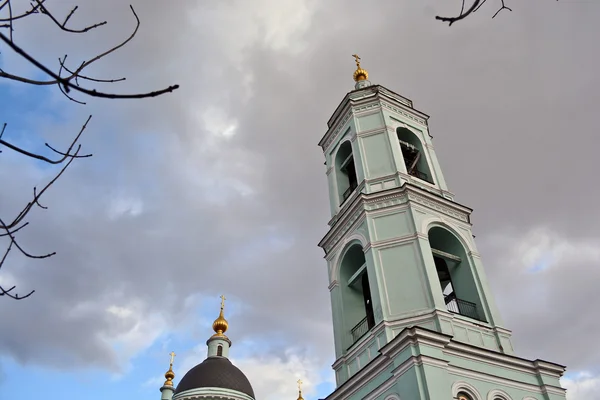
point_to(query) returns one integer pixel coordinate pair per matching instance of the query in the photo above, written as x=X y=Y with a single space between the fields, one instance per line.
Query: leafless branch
x=476 y=5
x=68 y=81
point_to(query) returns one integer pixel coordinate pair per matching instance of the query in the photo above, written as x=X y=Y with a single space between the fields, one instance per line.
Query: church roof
x=216 y=372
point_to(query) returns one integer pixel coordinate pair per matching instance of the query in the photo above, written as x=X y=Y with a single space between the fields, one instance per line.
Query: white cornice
x=211 y=393
x=504 y=381
x=385 y=98
x=355 y=207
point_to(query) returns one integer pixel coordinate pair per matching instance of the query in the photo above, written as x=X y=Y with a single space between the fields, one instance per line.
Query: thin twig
x=62 y=26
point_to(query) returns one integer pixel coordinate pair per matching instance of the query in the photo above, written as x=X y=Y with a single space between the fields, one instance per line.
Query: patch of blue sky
x=28 y=110
x=541 y=264
x=91 y=384
x=324 y=389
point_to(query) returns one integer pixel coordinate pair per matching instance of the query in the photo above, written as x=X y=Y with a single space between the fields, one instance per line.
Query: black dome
x=215 y=372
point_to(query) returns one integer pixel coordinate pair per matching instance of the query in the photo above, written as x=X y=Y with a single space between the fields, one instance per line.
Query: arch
x=463 y=387
x=455 y=272
x=429 y=223
x=529 y=398
x=355 y=238
x=497 y=394
x=346 y=176
x=413 y=154
x=393 y=396
x=355 y=296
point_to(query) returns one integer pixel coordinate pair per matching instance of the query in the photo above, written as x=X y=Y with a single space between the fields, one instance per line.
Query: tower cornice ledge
x=386 y=98
x=417 y=336
x=360 y=203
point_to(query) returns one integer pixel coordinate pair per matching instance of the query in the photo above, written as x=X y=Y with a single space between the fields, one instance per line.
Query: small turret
x=168 y=389
x=219 y=344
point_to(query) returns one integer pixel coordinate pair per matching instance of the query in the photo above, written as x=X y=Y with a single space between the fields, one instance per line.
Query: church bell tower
x=413 y=315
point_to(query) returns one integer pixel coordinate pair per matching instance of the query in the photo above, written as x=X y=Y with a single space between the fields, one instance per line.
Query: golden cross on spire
x=172 y=354
x=357 y=58
x=222 y=302
x=300 y=384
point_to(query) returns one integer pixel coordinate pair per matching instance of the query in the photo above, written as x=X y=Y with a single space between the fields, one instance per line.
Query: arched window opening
x=463 y=396
x=347 y=179
x=455 y=274
x=413 y=154
x=220 y=351
x=356 y=295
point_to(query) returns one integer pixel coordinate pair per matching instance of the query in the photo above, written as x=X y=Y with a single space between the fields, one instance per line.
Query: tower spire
x=170 y=375
x=167 y=389
x=219 y=344
x=299 y=382
x=360 y=76
x=220 y=325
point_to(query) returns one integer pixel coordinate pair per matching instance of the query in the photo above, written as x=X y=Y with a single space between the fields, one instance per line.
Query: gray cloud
x=511 y=103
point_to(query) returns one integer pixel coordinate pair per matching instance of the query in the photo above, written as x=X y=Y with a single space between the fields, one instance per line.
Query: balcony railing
x=420 y=175
x=461 y=307
x=359 y=330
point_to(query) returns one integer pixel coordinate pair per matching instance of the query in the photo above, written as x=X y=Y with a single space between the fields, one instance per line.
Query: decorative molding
x=403 y=113
x=335 y=268
x=462 y=386
x=394 y=241
x=435 y=205
x=372 y=132
x=497 y=394
x=333 y=285
x=331 y=136
x=211 y=393
x=363 y=108
x=504 y=381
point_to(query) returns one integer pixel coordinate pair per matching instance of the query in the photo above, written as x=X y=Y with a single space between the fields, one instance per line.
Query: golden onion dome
x=360 y=74
x=220 y=325
x=170 y=375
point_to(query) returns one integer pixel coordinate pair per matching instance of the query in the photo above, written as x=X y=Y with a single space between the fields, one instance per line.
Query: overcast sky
x=220 y=187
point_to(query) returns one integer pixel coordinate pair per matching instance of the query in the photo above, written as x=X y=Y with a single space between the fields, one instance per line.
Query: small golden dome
x=220 y=325
x=170 y=375
x=360 y=74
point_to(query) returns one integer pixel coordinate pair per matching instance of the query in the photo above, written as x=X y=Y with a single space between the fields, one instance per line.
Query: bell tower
x=409 y=294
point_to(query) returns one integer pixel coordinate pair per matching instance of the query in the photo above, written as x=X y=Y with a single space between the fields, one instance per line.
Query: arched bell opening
x=413 y=155
x=356 y=295
x=455 y=274
x=345 y=171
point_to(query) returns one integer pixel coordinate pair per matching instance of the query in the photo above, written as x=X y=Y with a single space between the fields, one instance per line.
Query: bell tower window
x=455 y=274
x=347 y=179
x=356 y=294
x=414 y=157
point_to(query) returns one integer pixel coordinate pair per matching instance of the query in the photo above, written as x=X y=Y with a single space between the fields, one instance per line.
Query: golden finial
x=360 y=74
x=170 y=375
x=299 y=382
x=220 y=325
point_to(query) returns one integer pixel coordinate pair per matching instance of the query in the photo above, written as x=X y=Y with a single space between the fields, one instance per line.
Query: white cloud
x=583 y=386
x=136 y=330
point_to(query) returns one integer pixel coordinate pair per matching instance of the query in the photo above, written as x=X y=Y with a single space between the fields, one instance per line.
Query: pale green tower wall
x=404 y=285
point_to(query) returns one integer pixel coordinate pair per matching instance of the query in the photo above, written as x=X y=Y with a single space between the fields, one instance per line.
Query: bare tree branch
x=68 y=80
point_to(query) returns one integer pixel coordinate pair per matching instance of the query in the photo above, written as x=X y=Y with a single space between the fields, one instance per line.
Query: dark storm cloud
x=511 y=101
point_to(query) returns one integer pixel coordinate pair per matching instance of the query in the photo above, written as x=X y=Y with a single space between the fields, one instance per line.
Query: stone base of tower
x=420 y=364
